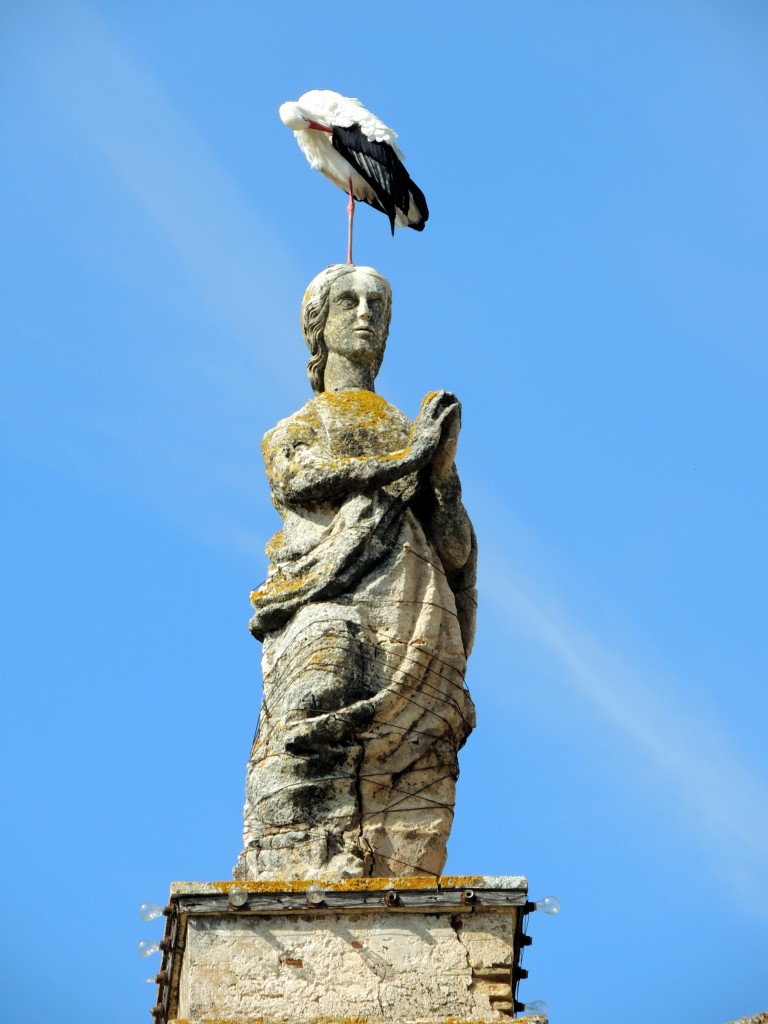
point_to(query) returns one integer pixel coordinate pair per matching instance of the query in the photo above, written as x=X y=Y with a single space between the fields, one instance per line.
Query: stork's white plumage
x=358 y=153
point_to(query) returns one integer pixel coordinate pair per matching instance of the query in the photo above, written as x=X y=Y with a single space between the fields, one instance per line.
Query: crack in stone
x=457 y=924
x=364 y=845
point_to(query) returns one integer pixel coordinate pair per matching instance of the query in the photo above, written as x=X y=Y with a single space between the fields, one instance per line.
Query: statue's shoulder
x=300 y=427
x=358 y=408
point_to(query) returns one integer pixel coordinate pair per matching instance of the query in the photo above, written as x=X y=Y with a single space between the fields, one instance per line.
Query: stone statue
x=366 y=616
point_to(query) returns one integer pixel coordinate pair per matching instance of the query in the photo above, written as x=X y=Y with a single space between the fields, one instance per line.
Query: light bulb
x=238 y=896
x=149 y=911
x=538 y=1006
x=151 y=981
x=549 y=905
x=315 y=894
x=147 y=947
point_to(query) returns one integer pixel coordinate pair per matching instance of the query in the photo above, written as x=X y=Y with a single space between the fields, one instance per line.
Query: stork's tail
x=417 y=213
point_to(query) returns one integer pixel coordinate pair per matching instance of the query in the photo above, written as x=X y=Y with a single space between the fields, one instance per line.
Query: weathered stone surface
x=377 y=964
x=404 y=966
x=346 y=1019
x=366 y=616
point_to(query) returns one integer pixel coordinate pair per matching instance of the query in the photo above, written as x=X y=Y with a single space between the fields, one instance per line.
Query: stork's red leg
x=351 y=212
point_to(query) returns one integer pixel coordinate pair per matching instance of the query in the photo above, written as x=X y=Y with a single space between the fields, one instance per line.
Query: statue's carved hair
x=314 y=313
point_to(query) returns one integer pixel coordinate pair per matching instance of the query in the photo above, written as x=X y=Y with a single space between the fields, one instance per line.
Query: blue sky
x=591 y=283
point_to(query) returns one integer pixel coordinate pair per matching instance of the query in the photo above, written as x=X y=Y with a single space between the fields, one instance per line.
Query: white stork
x=357 y=152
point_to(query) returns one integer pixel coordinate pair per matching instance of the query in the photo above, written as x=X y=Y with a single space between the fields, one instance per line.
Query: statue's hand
x=437 y=410
x=443 y=459
x=437 y=429
x=449 y=527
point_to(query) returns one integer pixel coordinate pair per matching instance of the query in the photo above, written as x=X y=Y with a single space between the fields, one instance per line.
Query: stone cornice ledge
x=516 y=883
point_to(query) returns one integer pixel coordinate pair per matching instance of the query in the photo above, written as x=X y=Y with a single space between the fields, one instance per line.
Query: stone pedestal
x=365 y=950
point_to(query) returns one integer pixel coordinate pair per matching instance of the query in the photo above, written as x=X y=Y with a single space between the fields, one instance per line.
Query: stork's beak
x=317 y=126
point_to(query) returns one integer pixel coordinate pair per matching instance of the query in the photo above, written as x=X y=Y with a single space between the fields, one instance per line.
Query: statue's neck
x=342 y=375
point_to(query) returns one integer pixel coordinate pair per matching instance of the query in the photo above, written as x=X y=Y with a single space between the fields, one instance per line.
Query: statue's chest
x=357 y=440
x=358 y=428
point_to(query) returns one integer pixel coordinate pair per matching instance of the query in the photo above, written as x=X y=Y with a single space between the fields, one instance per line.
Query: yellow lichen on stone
x=394 y=456
x=404 y=883
x=280 y=585
x=364 y=408
x=274 y=543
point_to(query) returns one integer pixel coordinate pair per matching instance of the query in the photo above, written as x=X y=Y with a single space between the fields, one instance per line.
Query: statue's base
x=402 y=950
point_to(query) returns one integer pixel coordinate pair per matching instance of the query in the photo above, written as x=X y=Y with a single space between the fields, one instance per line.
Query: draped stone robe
x=365 y=639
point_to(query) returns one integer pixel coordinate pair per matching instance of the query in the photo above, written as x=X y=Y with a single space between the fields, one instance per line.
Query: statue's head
x=333 y=293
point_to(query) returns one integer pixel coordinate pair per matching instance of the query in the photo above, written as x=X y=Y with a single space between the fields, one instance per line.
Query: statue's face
x=358 y=321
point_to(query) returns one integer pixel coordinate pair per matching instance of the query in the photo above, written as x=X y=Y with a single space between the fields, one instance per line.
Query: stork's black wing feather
x=420 y=202
x=378 y=164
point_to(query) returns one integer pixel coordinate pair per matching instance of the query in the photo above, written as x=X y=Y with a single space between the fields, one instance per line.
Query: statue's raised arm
x=366 y=616
x=301 y=469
